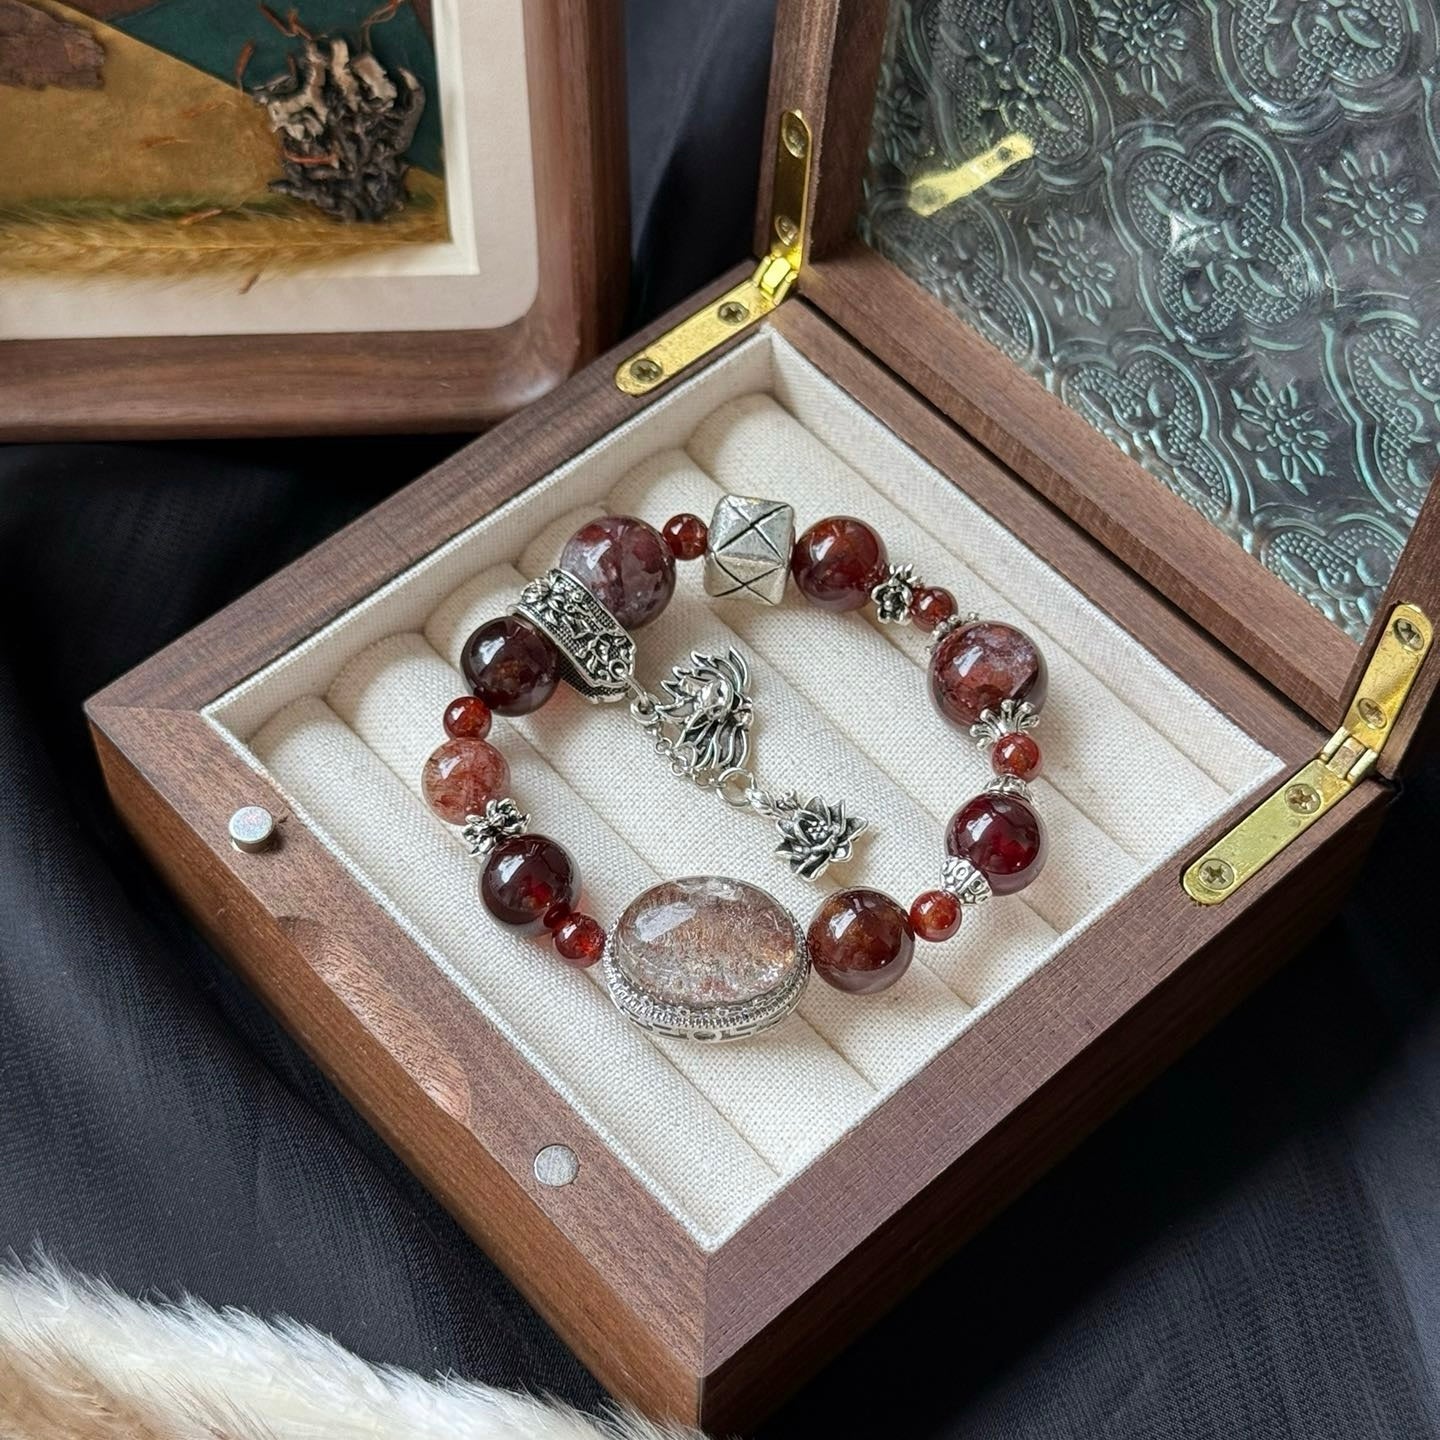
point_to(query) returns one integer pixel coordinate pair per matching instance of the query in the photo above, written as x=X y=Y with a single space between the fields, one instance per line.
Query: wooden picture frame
x=406 y=382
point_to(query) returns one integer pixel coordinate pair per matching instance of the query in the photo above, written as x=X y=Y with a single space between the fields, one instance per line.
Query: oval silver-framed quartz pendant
x=706 y=958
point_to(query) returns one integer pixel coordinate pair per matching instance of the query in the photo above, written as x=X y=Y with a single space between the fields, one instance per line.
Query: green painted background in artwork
x=210 y=34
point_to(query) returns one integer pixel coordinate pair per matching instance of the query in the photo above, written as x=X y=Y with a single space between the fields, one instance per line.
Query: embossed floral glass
x=1199 y=222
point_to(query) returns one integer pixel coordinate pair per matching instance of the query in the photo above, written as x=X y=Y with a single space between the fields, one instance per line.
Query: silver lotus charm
x=748 y=548
x=1011 y=718
x=597 y=656
x=501 y=820
x=894 y=594
x=710 y=710
x=815 y=835
x=962 y=880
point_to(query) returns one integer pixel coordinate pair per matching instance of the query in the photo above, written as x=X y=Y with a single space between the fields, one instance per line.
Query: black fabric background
x=1251 y=1249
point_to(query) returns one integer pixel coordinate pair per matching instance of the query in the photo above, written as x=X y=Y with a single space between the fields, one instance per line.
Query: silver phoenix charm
x=597 y=656
x=501 y=820
x=894 y=594
x=709 y=710
x=815 y=835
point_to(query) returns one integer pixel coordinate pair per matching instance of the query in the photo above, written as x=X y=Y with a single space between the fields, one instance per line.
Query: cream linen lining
x=343 y=723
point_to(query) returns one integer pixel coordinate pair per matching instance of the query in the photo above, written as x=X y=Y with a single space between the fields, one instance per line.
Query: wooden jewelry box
x=453 y=335
x=705 y=1225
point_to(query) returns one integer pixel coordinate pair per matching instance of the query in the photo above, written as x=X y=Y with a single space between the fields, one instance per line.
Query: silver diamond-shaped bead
x=748 y=551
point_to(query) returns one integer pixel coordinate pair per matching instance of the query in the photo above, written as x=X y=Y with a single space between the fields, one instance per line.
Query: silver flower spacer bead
x=501 y=820
x=1011 y=718
x=894 y=594
x=962 y=880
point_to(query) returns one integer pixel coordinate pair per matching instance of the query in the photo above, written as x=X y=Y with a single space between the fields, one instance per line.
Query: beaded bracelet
x=707 y=957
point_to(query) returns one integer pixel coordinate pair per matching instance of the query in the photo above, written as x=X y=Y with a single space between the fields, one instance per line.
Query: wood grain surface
x=236 y=385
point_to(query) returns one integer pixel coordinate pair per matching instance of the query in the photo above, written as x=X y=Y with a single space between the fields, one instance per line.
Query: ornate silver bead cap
x=948 y=627
x=1008 y=785
x=501 y=820
x=748 y=550
x=1010 y=718
x=962 y=880
x=597 y=655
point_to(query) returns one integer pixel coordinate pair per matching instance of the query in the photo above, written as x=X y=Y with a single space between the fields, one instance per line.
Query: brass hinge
x=1347 y=757
x=753 y=299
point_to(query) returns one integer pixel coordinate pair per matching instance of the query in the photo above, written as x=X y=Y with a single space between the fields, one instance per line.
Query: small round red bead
x=837 y=562
x=461 y=777
x=524 y=878
x=931 y=606
x=686 y=535
x=860 y=941
x=1016 y=754
x=580 y=941
x=510 y=665
x=467 y=718
x=935 y=915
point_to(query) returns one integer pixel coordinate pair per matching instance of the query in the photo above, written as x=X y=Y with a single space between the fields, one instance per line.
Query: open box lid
x=1171 y=272
x=503 y=276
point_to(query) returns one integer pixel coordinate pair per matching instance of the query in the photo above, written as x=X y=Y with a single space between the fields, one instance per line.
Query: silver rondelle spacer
x=1008 y=785
x=962 y=880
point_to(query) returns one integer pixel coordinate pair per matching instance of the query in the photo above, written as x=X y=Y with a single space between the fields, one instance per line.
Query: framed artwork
x=356 y=187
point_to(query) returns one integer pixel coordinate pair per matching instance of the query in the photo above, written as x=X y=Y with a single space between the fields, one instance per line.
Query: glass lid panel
x=1212 y=227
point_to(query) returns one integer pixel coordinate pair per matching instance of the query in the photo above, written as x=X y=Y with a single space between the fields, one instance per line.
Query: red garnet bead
x=580 y=941
x=837 y=562
x=935 y=915
x=524 y=877
x=979 y=665
x=1002 y=837
x=931 y=606
x=860 y=941
x=625 y=564
x=510 y=665
x=686 y=535
x=461 y=777
x=1015 y=754
x=467 y=718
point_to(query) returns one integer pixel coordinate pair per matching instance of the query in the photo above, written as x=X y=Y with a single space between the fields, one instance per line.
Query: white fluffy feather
x=80 y=1361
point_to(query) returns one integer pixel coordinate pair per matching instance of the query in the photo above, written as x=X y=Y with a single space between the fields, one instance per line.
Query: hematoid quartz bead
x=978 y=666
x=524 y=878
x=510 y=665
x=461 y=777
x=860 y=941
x=1002 y=837
x=837 y=562
x=625 y=564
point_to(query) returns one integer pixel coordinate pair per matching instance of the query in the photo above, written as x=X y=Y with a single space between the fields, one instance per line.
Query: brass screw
x=786 y=229
x=792 y=132
x=1370 y=713
x=1217 y=874
x=732 y=312
x=1303 y=799
x=1407 y=632
x=645 y=370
